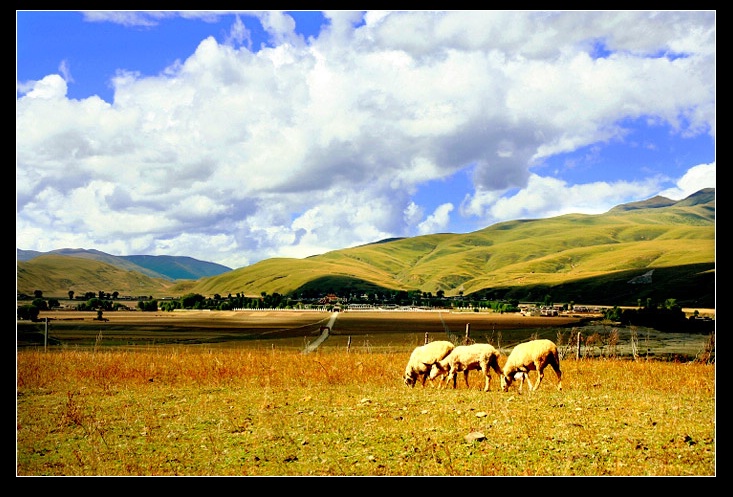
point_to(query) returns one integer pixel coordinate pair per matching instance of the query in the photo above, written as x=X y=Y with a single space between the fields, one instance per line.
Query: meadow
x=265 y=408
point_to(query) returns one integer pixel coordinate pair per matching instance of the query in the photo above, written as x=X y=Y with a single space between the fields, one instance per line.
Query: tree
x=93 y=304
x=148 y=306
x=613 y=314
x=71 y=294
x=671 y=304
x=192 y=301
x=38 y=294
x=40 y=304
x=29 y=312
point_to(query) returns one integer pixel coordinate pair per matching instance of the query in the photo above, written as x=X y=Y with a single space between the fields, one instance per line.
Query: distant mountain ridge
x=166 y=267
x=704 y=196
x=575 y=257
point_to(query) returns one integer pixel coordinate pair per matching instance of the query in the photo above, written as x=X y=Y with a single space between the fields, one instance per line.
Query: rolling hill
x=657 y=248
x=55 y=275
x=165 y=267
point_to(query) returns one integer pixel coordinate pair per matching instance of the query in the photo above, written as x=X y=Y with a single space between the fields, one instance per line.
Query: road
x=324 y=335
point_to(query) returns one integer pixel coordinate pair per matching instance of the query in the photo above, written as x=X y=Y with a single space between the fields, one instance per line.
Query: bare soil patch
x=368 y=330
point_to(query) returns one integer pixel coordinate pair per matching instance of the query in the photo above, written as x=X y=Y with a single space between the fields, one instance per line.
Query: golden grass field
x=232 y=411
x=233 y=394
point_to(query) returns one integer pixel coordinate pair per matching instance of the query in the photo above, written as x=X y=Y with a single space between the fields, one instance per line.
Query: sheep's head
x=506 y=381
x=410 y=380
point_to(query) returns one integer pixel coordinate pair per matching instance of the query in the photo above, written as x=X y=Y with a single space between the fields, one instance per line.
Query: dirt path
x=324 y=335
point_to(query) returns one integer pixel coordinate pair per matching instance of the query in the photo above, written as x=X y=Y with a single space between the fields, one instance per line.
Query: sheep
x=534 y=355
x=465 y=358
x=422 y=359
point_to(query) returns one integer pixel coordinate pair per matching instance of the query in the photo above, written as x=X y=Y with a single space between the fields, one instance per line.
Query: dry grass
x=200 y=410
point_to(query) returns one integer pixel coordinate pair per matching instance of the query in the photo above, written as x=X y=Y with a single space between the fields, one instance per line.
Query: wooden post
x=467 y=339
x=577 y=350
x=426 y=338
x=45 y=335
x=348 y=344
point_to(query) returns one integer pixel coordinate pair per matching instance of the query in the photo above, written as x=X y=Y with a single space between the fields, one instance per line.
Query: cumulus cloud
x=548 y=197
x=437 y=221
x=239 y=153
x=694 y=180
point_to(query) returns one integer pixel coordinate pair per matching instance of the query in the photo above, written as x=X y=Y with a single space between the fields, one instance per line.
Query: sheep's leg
x=465 y=377
x=484 y=368
x=559 y=376
x=529 y=382
x=425 y=377
x=440 y=379
x=540 y=375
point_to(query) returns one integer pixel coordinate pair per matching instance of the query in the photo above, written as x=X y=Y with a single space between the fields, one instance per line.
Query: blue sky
x=237 y=136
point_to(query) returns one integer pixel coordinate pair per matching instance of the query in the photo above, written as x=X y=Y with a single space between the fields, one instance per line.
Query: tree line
x=664 y=316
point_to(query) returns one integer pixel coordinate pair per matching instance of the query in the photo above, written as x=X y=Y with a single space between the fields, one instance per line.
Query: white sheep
x=423 y=358
x=464 y=358
x=534 y=355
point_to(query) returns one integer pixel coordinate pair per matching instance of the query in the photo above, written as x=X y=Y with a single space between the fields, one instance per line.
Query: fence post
x=426 y=338
x=45 y=335
x=348 y=344
x=468 y=333
x=577 y=350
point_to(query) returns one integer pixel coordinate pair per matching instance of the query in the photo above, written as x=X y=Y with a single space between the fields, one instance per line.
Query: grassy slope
x=55 y=275
x=549 y=252
x=572 y=257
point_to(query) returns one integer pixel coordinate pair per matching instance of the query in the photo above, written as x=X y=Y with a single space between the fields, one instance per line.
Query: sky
x=238 y=136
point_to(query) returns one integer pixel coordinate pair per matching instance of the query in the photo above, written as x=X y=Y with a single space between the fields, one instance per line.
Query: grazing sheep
x=423 y=358
x=465 y=358
x=533 y=355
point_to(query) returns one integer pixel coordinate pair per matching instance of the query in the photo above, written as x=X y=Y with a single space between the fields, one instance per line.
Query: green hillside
x=164 y=267
x=571 y=257
x=575 y=257
x=55 y=275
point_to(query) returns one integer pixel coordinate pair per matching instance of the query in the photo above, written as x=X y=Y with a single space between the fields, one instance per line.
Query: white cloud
x=239 y=34
x=548 y=197
x=412 y=214
x=437 y=221
x=51 y=87
x=234 y=155
x=694 y=180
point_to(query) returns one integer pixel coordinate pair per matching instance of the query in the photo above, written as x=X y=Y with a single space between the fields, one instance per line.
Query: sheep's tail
x=495 y=364
x=556 y=367
x=556 y=359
